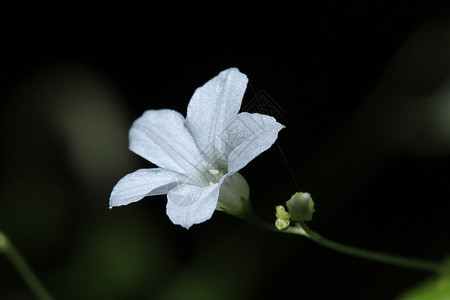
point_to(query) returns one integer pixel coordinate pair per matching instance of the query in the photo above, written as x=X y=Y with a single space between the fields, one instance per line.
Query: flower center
x=216 y=176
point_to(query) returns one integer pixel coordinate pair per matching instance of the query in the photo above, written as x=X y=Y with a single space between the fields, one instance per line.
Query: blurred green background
x=364 y=92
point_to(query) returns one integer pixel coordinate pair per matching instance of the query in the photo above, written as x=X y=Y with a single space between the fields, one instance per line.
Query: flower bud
x=282 y=222
x=301 y=207
x=281 y=213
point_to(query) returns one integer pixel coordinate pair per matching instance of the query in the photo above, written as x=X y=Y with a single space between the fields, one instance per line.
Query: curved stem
x=303 y=229
x=373 y=255
x=7 y=248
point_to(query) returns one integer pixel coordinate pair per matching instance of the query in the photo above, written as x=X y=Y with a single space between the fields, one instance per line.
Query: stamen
x=217 y=175
x=213 y=171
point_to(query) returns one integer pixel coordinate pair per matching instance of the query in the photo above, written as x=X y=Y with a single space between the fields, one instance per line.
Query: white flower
x=198 y=155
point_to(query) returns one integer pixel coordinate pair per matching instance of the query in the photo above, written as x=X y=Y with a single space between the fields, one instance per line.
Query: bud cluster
x=300 y=208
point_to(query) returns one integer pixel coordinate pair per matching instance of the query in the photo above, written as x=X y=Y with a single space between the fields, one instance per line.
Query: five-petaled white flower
x=198 y=157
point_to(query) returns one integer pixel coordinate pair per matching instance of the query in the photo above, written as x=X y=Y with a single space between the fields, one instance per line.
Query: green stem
x=303 y=229
x=372 y=255
x=7 y=248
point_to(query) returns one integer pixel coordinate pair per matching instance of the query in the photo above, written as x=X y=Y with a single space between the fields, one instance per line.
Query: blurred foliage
x=433 y=289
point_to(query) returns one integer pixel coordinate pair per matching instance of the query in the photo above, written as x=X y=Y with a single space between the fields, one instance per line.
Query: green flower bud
x=301 y=207
x=282 y=222
x=281 y=213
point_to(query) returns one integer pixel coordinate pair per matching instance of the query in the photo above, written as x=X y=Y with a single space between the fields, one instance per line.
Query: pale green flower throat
x=217 y=174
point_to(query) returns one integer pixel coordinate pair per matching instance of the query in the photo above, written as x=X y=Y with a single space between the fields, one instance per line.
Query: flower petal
x=161 y=137
x=248 y=135
x=144 y=182
x=212 y=107
x=189 y=204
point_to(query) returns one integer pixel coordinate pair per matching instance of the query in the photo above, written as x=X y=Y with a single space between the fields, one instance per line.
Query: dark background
x=361 y=89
